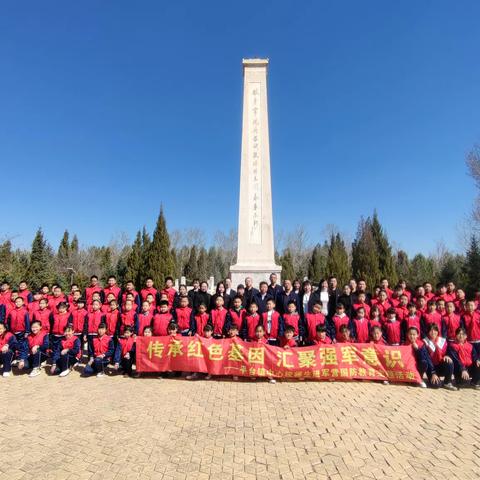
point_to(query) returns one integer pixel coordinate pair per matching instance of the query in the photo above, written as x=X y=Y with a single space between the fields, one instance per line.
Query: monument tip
x=255 y=62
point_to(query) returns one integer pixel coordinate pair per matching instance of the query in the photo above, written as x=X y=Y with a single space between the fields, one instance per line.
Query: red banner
x=341 y=361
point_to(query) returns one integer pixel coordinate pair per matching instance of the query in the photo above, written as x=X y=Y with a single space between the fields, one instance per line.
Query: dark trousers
x=474 y=373
x=90 y=338
x=98 y=365
x=80 y=337
x=34 y=360
x=127 y=363
x=443 y=369
x=22 y=345
x=66 y=361
x=6 y=360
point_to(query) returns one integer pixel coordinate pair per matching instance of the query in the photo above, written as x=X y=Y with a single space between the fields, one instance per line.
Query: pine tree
x=190 y=270
x=318 y=263
x=134 y=261
x=74 y=245
x=159 y=261
x=143 y=271
x=386 y=261
x=365 y=261
x=40 y=268
x=286 y=261
x=337 y=260
x=472 y=267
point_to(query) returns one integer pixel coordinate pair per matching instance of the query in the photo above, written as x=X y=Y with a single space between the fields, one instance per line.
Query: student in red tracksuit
x=361 y=327
x=293 y=319
x=452 y=321
x=219 y=318
x=96 y=297
x=58 y=322
x=313 y=320
x=250 y=322
x=69 y=353
x=145 y=317
x=321 y=337
x=237 y=313
x=129 y=317
x=393 y=328
x=112 y=319
x=94 y=287
x=375 y=319
x=125 y=352
x=169 y=290
x=413 y=319
x=34 y=305
x=38 y=344
x=432 y=316
x=8 y=346
x=162 y=319
x=201 y=320
x=103 y=353
x=377 y=335
x=272 y=323
x=338 y=320
x=42 y=315
x=465 y=360
x=471 y=320
x=94 y=319
x=78 y=320
x=135 y=297
x=183 y=315
x=112 y=289
x=362 y=302
x=440 y=365
x=18 y=322
x=260 y=339
x=150 y=290
x=401 y=308
x=288 y=339
x=106 y=304
x=24 y=292
x=58 y=297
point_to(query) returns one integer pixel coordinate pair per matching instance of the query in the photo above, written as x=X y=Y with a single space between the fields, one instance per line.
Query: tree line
x=161 y=254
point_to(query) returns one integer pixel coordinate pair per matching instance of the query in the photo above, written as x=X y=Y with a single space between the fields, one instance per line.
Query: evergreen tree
x=402 y=265
x=318 y=263
x=365 y=260
x=452 y=270
x=159 y=261
x=190 y=270
x=40 y=267
x=337 y=260
x=134 y=261
x=422 y=270
x=63 y=253
x=386 y=261
x=143 y=271
x=286 y=261
x=472 y=267
x=74 y=245
x=7 y=260
x=202 y=265
x=106 y=264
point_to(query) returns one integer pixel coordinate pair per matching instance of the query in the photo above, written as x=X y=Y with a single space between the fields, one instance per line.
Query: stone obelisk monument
x=255 y=254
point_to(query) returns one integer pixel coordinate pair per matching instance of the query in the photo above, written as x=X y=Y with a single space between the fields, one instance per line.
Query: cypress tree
x=7 y=260
x=159 y=261
x=422 y=270
x=202 y=265
x=40 y=267
x=337 y=260
x=386 y=261
x=134 y=261
x=365 y=261
x=74 y=245
x=190 y=270
x=472 y=267
x=318 y=263
x=402 y=266
x=286 y=261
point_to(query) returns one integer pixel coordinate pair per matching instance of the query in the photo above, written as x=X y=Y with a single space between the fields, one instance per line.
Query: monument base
x=238 y=273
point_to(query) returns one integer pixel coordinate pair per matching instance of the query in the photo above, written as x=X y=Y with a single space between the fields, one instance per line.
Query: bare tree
x=473 y=164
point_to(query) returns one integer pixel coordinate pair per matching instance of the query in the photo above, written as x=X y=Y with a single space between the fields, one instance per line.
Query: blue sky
x=109 y=108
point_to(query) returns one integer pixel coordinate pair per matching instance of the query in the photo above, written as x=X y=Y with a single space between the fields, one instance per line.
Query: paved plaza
x=150 y=428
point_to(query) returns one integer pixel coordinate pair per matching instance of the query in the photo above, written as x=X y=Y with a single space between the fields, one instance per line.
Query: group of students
x=442 y=327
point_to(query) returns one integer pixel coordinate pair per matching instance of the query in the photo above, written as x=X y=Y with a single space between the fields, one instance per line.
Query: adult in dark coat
x=220 y=292
x=261 y=298
x=288 y=295
x=333 y=293
x=274 y=289
x=202 y=296
x=250 y=291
